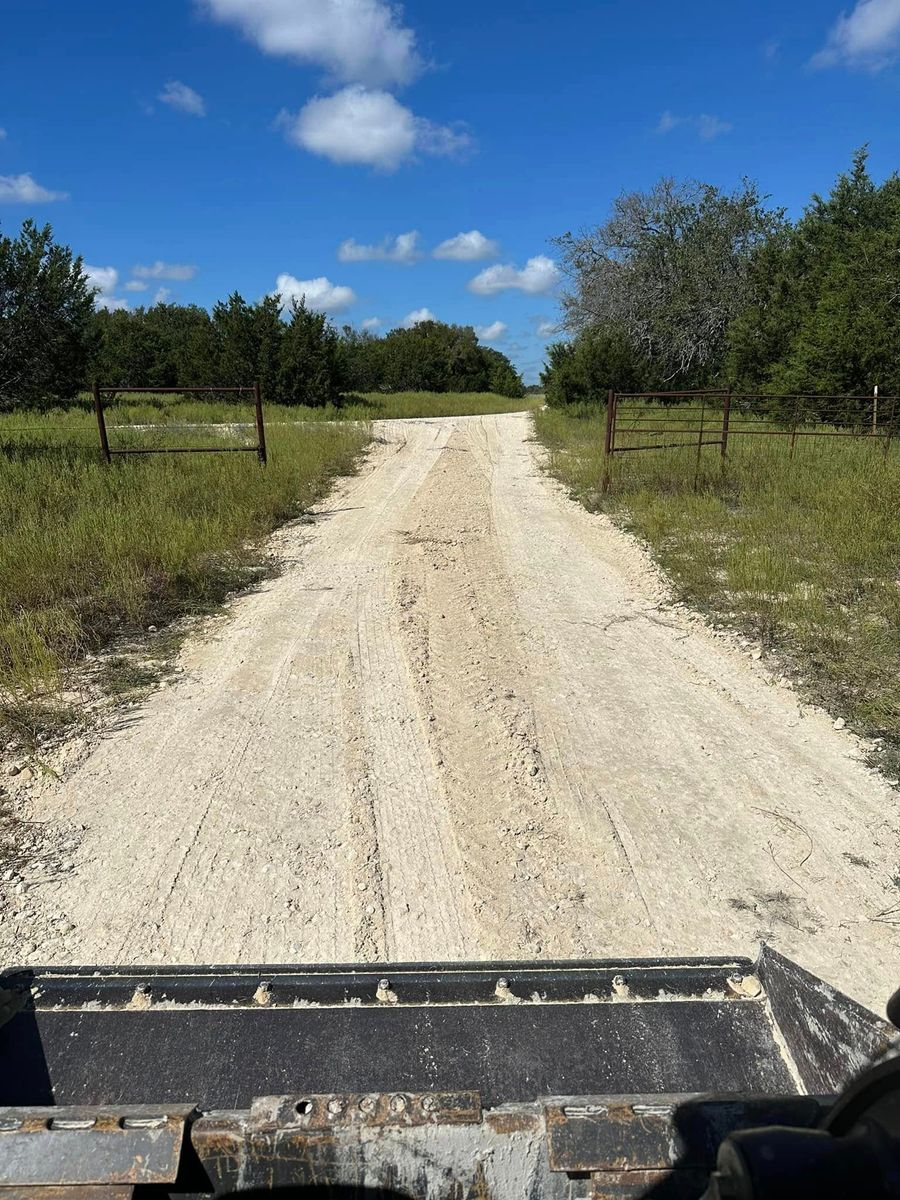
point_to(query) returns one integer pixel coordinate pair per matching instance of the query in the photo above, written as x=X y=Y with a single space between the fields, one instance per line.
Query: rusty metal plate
x=78 y=1146
x=651 y=1133
x=336 y=1110
x=630 y=1185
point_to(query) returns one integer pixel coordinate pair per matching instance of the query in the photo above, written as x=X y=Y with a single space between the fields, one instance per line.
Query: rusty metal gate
x=251 y=389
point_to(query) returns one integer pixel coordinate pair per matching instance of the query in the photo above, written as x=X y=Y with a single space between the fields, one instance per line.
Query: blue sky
x=233 y=144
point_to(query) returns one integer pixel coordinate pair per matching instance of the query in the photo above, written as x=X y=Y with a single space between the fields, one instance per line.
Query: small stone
x=840 y=723
x=15 y=769
x=26 y=774
x=756 y=655
x=151 y=629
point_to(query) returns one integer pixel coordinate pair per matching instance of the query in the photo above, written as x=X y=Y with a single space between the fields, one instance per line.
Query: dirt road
x=464 y=723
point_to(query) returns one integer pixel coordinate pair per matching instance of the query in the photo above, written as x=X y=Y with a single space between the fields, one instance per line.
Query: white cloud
x=178 y=95
x=546 y=328
x=417 y=316
x=22 y=189
x=320 y=294
x=706 y=125
x=162 y=295
x=371 y=323
x=402 y=249
x=357 y=41
x=2 y=133
x=357 y=125
x=710 y=127
x=136 y=285
x=468 y=247
x=868 y=37
x=162 y=270
x=491 y=333
x=540 y=274
x=105 y=280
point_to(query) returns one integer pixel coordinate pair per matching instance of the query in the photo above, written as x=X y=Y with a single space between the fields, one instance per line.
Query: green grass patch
x=802 y=553
x=90 y=554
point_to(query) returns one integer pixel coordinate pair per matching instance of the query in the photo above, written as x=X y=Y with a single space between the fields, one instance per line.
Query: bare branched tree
x=669 y=268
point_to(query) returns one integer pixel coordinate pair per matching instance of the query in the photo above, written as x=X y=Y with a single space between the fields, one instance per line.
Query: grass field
x=802 y=555
x=136 y=409
x=89 y=554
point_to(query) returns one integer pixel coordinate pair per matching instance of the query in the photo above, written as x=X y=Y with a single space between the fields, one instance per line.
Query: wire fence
x=646 y=421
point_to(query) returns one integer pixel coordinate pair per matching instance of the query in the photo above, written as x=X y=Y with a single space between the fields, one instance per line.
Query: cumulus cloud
x=183 y=98
x=417 y=316
x=540 y=274
x=402 y=249
x=706 y=125
x=358 y=125
x=546 y=328
x=136 y=285
x=372 y=323
x=357 y=41
x=162 y=295
x=867 y=38
x=320 y=293
x=105 y=280
x=468 y=247
x=163 y=270
x=491 y=333
x=22 y=189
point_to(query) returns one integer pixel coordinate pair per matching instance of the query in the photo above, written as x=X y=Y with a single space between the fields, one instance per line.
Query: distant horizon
x=410 y=163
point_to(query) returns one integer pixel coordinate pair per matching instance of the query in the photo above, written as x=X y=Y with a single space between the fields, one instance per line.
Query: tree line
x=54 y=343
x=687 y=286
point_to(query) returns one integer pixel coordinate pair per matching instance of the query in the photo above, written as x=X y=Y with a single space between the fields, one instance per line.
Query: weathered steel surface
x=503 y=1052
x=75 y=1146
x=629 y=1133
x=86 y=1191
x=274 y=1146
x=829 y=1037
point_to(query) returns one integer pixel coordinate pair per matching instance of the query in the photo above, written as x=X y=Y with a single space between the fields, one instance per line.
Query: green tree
x=503 y=378
x=583 y=371
x=237 y=341
x=827 y=320
x=310 y=366
x=46 y=305
x=670 y=269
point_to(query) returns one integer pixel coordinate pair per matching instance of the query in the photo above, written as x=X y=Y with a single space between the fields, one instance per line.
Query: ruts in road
x=466 y=722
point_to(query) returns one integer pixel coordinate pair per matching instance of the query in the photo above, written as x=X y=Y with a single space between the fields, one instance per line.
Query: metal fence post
x=699 y=442
x=608 y=444
x=260 y=424
x=726 y=420
x=101 y=423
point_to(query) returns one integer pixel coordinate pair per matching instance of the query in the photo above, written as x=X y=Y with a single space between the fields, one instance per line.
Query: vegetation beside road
x=803 y=555
x=89 y=553
x=687 y=286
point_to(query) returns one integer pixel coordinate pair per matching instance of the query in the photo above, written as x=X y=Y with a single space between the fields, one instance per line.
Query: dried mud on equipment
x=466 y=722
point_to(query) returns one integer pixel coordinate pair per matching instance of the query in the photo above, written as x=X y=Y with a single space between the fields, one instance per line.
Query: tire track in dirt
x=540 y=888
x=465 y=722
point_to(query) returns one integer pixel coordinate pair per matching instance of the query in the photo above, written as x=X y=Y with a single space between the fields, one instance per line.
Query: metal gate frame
x=259 y=449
